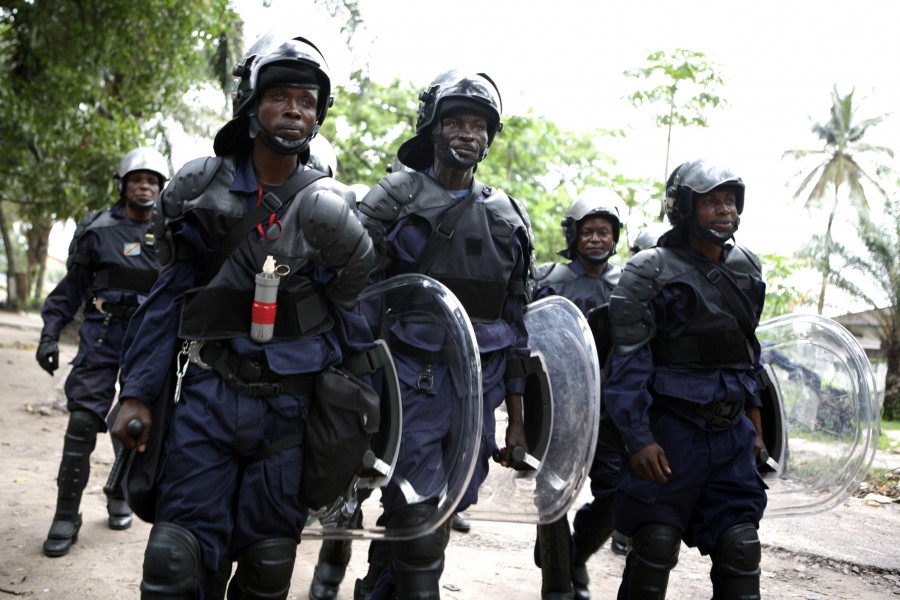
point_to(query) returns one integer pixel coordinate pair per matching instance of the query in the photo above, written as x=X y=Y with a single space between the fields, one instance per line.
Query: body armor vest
x=477 y=262
x=317 y=229
x=127 y=257
x=712 y=336
x=585 y=292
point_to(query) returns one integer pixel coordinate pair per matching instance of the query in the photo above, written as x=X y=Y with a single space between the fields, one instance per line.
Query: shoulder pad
x=549 y=273
x=90 y=221
x=383 y=201
x=647 y=264
x=742 y=260
x=189 y=182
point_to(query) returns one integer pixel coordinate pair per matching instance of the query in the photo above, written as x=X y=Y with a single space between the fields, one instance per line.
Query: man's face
x=595 y=236
x=717 y=210
x=288 y=112
x=142 y=186
x=466 y=133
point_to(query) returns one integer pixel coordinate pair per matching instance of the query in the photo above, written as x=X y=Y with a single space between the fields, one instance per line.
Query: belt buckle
x=193 y=352
x=98 y=304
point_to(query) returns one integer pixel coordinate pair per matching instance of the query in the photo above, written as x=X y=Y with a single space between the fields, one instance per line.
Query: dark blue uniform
x=485 y=264
x=210 y=483
x=113 y=244
x=690 y=398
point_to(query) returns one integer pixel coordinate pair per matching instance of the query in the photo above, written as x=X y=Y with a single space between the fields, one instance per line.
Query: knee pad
x=735 y=572
x=171 y=563
x=738 y=551
x=264 y=570
x=654 y=553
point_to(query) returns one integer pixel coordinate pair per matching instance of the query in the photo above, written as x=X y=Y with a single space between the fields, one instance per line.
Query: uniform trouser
x=207 y=483
x=90 y=389
x=714 y=484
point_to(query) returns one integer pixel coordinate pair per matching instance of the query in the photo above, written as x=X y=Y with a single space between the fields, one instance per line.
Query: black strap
x=276 y=447
x=445 y=230
x=270 y=203
x=735 y=298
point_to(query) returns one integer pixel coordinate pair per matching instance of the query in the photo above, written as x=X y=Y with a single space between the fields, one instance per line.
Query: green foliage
x=872 y=274
x=81 y=85
x=532 y=159
x=683 y=81
x=838 y=170
x=781 y=297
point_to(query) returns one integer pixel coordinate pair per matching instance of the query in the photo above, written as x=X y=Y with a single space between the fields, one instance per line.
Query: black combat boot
x=74 y=471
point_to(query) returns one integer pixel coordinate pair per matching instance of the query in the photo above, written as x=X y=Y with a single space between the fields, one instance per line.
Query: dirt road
x=846 y=553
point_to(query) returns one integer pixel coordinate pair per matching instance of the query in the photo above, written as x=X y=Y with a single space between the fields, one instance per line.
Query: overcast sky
x=565 y=59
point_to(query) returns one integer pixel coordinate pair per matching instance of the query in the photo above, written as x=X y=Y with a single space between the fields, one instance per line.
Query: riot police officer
x=591 y=229
x=111 y=267
x=485 y=263
x=247 y=366
x=683 y=391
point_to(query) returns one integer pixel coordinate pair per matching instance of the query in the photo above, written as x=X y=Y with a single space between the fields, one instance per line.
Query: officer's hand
x=515 y=438
x=650 y=463
x=48 y=353
x=132 y=408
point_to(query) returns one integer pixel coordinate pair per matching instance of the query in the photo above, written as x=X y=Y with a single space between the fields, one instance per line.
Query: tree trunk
x=891 y=408
x=10 y=257
x=826 y=259
x=38 y=237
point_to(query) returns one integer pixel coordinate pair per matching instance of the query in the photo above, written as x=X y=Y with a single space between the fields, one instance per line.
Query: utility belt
x=718 y=415
x=119 y=311
x=248 y=376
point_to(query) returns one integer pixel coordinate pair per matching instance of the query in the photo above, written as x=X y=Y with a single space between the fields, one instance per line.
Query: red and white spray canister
x=262 y=319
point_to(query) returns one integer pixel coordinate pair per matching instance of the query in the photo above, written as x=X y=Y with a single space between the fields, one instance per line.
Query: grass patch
x=889 y=443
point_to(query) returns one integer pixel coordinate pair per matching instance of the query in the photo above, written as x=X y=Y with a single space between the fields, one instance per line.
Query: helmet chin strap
x=719 y=239
x=455 y=159
x=597 y=260
x=141 y=206
x=278 y=144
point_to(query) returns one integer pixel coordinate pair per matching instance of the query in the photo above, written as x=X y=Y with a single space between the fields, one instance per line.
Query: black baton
x=134 y=428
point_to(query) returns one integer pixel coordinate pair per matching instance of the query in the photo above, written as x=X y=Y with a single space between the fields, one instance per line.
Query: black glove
x=48 y=353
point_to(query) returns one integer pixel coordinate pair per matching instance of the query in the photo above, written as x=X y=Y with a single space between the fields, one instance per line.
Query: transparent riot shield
x=431 y=414
x=829 y=409
x=562 y=415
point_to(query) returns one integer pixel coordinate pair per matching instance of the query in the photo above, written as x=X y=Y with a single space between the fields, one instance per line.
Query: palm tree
x=878 y=267
x=839 y=167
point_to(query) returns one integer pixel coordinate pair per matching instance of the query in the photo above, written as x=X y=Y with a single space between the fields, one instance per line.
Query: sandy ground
x=846 y=553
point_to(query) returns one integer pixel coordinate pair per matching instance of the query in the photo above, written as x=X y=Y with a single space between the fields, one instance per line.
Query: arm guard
x=343 y=245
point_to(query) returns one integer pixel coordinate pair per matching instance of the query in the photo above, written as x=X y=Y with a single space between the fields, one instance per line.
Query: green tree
x=781 y=297
x=532 y=159
x=685 y=83
x=80 y=85
x=838 y=173
x=872 y=274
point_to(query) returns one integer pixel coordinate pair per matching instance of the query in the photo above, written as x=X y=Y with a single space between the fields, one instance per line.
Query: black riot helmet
x=592 y=202
x=277 y=58
x=694 y=178
x=450 y=91
x=141 y=159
